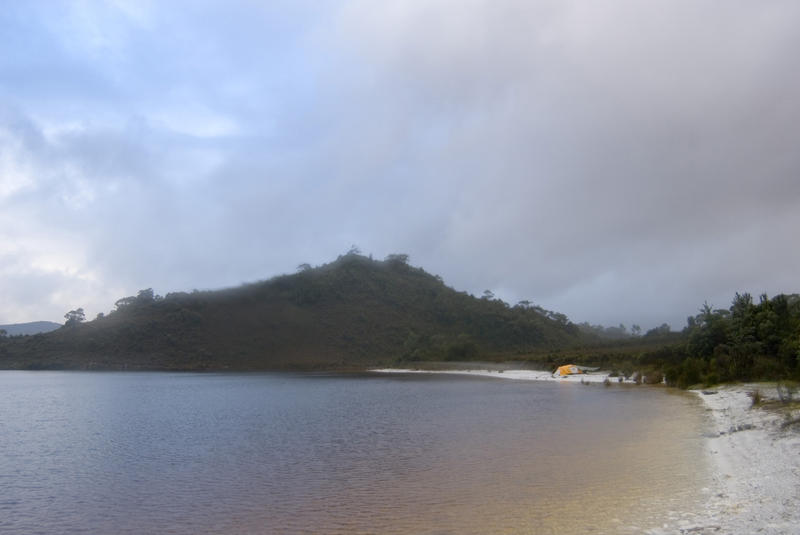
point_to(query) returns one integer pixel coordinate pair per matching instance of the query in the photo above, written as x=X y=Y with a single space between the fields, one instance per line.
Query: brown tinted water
x=278 y=453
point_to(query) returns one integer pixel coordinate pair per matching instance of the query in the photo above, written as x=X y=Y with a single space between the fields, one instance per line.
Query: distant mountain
x=351 y=313
x=33 y=327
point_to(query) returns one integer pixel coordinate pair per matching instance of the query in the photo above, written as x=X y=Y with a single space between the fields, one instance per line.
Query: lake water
x=285 y=453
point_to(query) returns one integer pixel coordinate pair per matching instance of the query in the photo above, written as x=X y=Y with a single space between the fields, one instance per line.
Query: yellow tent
x=567 y=369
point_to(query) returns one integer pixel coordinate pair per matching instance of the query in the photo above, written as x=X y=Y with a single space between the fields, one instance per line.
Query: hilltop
x=33 y=327
x=350 y=313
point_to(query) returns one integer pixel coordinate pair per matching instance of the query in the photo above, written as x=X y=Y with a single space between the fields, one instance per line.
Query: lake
x=368 y=453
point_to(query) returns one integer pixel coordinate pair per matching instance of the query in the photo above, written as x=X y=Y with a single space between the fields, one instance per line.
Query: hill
x=33 y=327
x=351 y=313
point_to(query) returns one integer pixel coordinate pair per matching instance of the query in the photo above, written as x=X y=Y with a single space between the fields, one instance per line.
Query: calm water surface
x=282 y=453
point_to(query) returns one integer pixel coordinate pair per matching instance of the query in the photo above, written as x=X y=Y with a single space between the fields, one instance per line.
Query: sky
x=617 y=161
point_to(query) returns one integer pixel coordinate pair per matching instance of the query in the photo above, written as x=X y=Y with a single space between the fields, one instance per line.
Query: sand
x=755 y=461
x=754 y=458
x=525 y=375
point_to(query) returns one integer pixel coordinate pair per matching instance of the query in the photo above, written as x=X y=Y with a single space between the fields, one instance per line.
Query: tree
x=488 y=295
x=74 y=317
x=662 y=330
x=709 y=330
x=636 y=330
x=3 y=333
x=397 y=258
x=124 y=302
x=145 y=296
x=559 y=318
x=303 y=267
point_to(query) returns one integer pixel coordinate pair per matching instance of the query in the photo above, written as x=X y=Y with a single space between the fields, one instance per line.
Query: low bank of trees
x=747 y=341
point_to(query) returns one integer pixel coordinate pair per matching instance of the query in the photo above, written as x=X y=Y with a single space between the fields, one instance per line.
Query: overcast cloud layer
x=617 y=161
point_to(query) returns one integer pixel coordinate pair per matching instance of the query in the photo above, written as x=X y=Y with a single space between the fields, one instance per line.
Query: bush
x=653 y=378
x=711 y=378
x=688 y=373
x=461 y=350
x=767 y=368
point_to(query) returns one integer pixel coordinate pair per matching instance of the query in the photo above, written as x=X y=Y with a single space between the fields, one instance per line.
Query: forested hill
x=352 y=312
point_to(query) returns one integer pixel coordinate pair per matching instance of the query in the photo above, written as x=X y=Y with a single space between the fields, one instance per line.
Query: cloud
x=593 y=147
x=620 y=162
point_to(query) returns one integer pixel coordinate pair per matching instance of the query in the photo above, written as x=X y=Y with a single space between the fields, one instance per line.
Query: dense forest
x=747 y=341
x=357 y=312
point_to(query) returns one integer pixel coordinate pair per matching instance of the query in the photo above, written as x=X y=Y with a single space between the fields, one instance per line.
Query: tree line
x=747 y=341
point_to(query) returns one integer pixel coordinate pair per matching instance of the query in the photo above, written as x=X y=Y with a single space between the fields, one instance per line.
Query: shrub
x=767 y=367
x=711 y=378
x=653 y=377
x=461 y=350
x=689 y=372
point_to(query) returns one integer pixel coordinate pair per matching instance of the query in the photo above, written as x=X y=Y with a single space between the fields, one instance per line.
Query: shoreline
x=754 y=459
x=755 y=462
x=520 y=375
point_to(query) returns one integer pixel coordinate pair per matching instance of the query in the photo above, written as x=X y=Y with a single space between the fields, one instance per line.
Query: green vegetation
x=349 y=314
x=358 y=312
x=746 y=342
x=74 y=317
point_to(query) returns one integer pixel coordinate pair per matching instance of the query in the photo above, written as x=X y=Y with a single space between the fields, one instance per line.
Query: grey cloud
x=619 y=163
x=606 y=147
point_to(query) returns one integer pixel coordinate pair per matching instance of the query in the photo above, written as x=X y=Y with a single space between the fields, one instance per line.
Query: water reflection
x=267 y=453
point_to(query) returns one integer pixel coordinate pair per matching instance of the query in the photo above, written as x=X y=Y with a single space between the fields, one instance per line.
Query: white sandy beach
x=756 y=464
x=755 y=460
x=524 y=375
